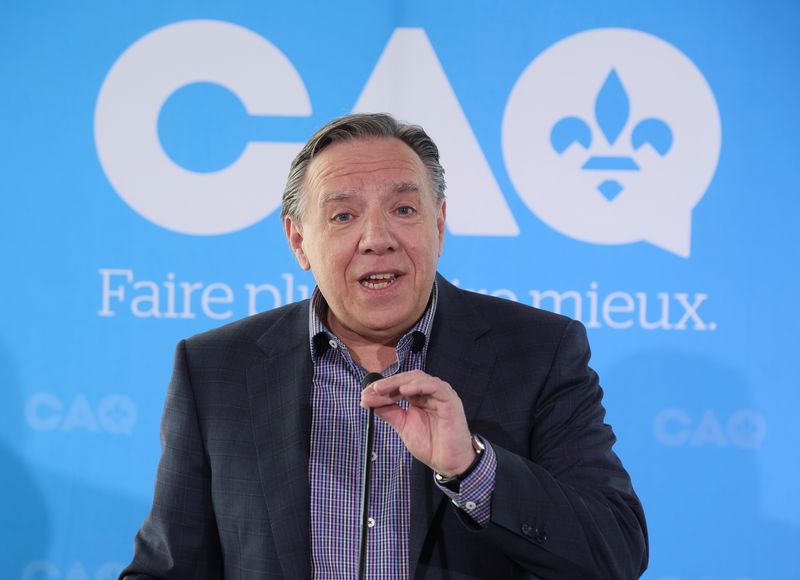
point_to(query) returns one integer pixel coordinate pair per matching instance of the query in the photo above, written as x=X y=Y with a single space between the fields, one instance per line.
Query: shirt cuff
x=474 y=495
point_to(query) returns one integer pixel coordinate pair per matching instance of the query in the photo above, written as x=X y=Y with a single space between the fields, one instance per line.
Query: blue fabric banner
x=631 y=165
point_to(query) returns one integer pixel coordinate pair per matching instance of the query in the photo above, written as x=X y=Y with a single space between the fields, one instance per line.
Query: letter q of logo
x=612 y=136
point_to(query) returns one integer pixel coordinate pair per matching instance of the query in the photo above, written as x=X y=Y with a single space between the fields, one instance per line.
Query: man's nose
x=377 y=236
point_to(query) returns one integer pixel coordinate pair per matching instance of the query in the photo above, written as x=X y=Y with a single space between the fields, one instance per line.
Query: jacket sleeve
x=568 y=509
x=179 y=538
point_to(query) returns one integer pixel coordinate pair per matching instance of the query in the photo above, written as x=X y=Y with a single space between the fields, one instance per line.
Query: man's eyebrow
x=334 y=196
x=398 y=187
x=404 y=187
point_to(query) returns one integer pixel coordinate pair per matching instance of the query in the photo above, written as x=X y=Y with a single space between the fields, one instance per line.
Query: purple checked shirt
x=337 y=424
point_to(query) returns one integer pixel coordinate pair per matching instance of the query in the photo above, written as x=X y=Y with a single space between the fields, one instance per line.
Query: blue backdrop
x=630 y=164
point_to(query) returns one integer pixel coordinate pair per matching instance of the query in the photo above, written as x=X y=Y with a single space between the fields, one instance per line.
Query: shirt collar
x=320 y=336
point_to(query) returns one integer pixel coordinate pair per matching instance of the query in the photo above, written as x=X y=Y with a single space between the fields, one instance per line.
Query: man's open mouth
x=378 y=281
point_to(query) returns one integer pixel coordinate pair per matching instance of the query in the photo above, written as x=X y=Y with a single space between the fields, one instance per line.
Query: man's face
x=372 y=234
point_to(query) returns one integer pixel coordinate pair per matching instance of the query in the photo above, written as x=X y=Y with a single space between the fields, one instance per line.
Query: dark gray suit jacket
x=232 y=495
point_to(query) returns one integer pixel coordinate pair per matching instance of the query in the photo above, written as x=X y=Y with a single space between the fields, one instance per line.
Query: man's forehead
x=344 y=167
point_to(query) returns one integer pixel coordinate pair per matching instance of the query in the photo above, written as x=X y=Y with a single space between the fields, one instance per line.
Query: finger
x=390 y=384
x=371 y=400
x=415 y=383
x=395 y=415
x=430 y=387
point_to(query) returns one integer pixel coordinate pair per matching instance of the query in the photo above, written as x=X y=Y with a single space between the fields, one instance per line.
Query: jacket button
x=526 y=529
x=540 y=536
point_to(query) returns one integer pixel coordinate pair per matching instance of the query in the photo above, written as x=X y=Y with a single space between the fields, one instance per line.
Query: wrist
x=477 y=448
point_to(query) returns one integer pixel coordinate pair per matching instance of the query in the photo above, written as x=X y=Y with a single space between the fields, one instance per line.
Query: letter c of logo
x=126 y=126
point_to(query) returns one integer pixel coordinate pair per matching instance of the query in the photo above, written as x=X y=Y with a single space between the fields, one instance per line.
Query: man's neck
x=374 y=358
x=374 y=354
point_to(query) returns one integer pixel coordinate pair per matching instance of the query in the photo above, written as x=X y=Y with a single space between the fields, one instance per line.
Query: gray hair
x=353 y=127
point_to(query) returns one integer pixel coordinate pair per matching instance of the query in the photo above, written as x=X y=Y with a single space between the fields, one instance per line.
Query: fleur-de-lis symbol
x=117 y=413
x=612 y=112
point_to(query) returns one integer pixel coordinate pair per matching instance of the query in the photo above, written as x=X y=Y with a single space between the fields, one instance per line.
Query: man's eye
x=343 y=217
x=406 y=210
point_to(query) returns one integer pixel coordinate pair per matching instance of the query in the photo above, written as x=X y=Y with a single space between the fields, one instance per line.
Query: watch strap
x=454 y=481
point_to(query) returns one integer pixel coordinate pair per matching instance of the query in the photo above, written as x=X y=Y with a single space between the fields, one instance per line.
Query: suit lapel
x=458 y=356
x=279 y=391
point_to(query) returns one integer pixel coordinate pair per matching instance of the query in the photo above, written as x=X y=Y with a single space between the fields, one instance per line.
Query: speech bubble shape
x=117 y=414
x=747 y=429
x=657 y=84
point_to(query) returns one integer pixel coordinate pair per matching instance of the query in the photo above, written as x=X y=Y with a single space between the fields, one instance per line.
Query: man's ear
x=294 y=233
x=440 y=220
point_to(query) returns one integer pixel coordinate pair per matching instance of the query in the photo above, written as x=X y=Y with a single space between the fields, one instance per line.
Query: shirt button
x=469 y=506
x=370 y=522
x=333 y=343
x=374 y=456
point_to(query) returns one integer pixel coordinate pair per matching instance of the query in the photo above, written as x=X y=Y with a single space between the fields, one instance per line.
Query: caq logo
x=745 y=428
x=114 y=414
x=610 y=136
x=44 y=569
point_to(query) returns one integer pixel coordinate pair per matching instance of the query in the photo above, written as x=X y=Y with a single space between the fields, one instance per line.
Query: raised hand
x=433 y=428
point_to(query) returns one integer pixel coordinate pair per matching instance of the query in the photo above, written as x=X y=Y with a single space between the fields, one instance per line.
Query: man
x=490 y=459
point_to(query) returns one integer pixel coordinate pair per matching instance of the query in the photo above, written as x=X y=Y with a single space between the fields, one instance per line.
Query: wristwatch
x=453 y=480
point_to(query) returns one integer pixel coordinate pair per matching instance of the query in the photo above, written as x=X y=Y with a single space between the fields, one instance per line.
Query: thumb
x=395 y=415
